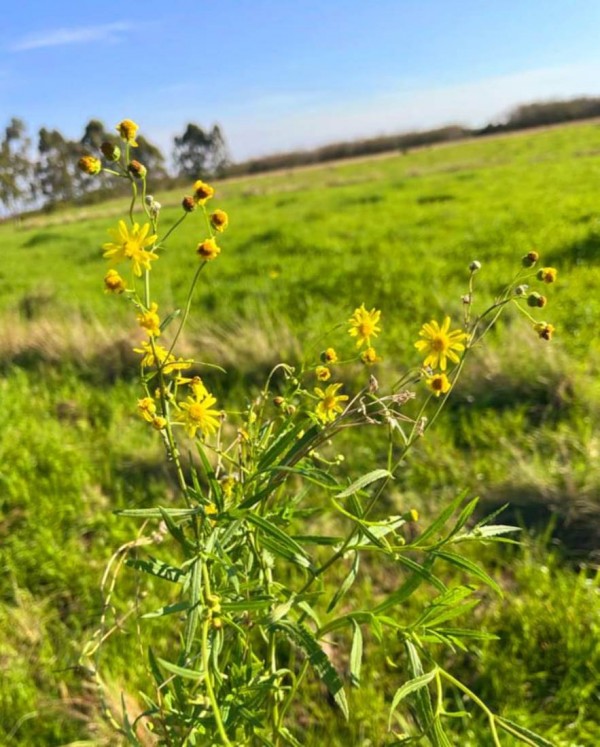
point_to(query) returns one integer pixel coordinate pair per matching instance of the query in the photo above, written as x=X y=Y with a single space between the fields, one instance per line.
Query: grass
x=305 y=248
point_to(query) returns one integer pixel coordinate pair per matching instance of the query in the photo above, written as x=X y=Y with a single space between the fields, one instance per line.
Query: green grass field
x=303 y=250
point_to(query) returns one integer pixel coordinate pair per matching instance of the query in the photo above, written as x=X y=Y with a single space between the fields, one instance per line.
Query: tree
x=16 y=168
x=57 y=176
x=198 y=153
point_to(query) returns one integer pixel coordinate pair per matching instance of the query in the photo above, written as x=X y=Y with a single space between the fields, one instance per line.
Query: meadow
x=303 y=250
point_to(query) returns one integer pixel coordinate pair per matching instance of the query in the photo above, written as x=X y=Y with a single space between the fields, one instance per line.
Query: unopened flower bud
x=547 y=274
x=475 y=266
x=521 y=290
x=219 y=220
x=90 y=165
x=188 y=204
x=532 y=300
x=137 y=169
x=530 y=259
x=278 y=401
x=290 y=409
x=110 y=152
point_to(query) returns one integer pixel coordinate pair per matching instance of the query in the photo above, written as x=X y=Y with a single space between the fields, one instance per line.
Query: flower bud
x=203 y=192
x=208 y=249
x=278 y=401
x=188 y=204
x=110 y=152
x=219 y=220
x=475 y=266
x=137 y=169
x=329 y=356
x=544 y=330
x=521 y=290
x=90 y=165
x=547 y=274
x=159 y=422
x=533 y=300
x=113 y=282
x=530 y=259
x=127 y=129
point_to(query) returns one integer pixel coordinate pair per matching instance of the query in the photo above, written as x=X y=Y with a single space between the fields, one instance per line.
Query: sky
x=280 y=75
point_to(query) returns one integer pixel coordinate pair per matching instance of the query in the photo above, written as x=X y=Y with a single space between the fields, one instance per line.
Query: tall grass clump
x=258 y=555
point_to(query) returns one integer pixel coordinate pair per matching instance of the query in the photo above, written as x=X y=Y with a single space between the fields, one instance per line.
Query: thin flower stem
x=188 y=303
x=173 y=227
x=491 y=717
x=209 y=686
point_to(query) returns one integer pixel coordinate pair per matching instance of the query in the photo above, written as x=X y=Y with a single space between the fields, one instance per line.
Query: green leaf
x=194 y=610
x=362 y=482
x=467 y=565
x=428 y=720
x=318 y=659
x=190 y=674
x=346 y=583
x=278 y=540
x=441 y=520
x=317 y=476
x=157 y=568
x=523 y=734
x=356 y=654
x=409 y=687
x=157 y=513
x=169 y=609
x=279 y=445
x=485 y=532
x=411 y=584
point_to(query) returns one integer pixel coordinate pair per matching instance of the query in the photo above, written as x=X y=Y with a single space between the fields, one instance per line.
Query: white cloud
x=108 y=32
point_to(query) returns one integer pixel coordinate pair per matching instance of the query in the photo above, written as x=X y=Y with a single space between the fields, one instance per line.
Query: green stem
x=188 y=303
x=491 y=717
x=173 y=227
x=209 y=686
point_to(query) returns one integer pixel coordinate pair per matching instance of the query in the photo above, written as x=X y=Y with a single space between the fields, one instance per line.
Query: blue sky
x=284 y=74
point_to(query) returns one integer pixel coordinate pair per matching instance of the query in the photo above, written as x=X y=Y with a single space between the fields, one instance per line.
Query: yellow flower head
x=90 y=165
x=208 y=249
x=329 y=356
x=203 y=192
x=438 y=383
x=322 y=373
x=369 y=356
x=198 y=388
x=131 y=245
x=547 y=274
x=363 y=325
x=197 y=415
x=219 y=220
x=127 y=130
x=150 y=321
x=159 y=422
x=160 y=357
x=113 y=282
x=440 y=344
x=147 y=408
x=330 y=403
x=544 y=330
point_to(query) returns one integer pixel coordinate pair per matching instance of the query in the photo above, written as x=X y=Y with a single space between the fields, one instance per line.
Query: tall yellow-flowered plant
x=244 y=583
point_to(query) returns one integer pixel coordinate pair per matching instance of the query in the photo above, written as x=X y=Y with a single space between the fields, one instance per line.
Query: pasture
x=303 y=249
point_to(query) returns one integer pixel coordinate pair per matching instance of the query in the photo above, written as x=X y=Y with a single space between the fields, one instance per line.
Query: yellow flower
x=127 y=130
x=322 y=373
x=369 y=356
x=90 y=165
x=131 y=245
x=203 y=192
x=208 y=249
x=363 y=325
x=198 y=388
x=162 y=359
x=329 y=356
x=147 y=408
x=438 y=383
x=330 y=403
x=544 y=330
x=219 y=220
x=196 y=414
x=159 y=422
x=113 y=282
x=150 y=320
x=547 y=274
x=440 y=344
x=227 y=486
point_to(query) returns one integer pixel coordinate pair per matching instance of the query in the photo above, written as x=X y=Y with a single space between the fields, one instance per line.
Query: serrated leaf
x=157 y=568
x=467 y=565
x=484 y=532
x=409 y=687
x=524 y=735
x=169 y=609
x=305 y=640
x=346 y=583
x=364 y=481
x=356 y=654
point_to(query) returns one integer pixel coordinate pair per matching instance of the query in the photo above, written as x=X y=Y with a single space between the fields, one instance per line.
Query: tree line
x=45 y=172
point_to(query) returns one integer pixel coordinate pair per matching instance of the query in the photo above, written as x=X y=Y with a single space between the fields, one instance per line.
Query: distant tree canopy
x=48 y=174
x=200 y=153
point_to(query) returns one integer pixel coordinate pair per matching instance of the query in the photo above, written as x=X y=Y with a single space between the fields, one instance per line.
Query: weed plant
x=256 y=555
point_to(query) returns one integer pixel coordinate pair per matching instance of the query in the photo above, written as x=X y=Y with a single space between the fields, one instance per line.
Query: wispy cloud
x=106 y=33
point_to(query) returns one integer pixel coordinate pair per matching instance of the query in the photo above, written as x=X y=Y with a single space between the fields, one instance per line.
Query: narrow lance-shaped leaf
x=364 y=481
x=305 y=640
x=409 y=687
x=356 y=654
